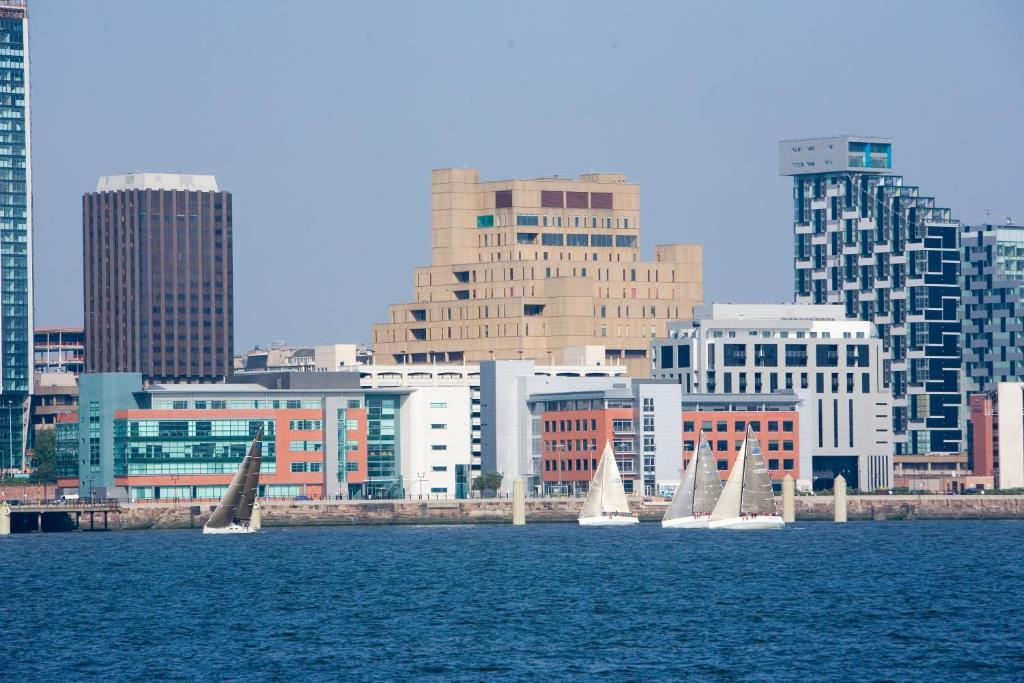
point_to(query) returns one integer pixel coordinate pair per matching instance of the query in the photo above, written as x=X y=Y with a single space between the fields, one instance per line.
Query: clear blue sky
x=325 y=118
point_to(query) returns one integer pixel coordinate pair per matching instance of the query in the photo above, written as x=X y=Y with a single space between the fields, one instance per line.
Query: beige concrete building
x=528 y=268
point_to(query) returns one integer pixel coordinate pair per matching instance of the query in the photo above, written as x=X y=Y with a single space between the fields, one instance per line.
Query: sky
x=324 y=119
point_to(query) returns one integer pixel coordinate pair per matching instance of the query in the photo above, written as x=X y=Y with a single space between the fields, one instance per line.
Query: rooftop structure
x=179 y=182
x=862 y=154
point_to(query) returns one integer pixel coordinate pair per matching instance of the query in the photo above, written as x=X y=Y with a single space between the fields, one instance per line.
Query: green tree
x=44 y=461
x=488 y=481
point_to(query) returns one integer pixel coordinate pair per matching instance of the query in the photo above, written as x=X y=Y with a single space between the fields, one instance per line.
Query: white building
x=833 y=364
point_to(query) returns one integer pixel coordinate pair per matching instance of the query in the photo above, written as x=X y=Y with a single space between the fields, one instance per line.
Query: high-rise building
x=15 y=235
x=158 y=277
x=59 y=349
x=992 y=273
x=523 y=269
x=834 y=365
x=890 y=256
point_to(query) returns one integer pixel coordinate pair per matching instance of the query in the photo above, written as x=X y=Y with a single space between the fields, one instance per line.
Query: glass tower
x=864 y=239
x=15 y=235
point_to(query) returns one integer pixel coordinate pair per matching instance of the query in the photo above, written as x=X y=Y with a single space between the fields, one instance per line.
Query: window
x=735 y=355
x=787 y=425
x=298 y=467
x=648 y=404
x=741 y=426
x=439 y=489
x=628 y=241
x=865 y=383
x=600 y=240
x=437 y=425
x=687 y=426
x=485 y=221
x=721 y=426
x=438 y=447
x=796 y=355
x=706 y=425
x=305 y=446
x=773 y=425
x=722 y=446
x=755 y=425
x=526 y=219
x=723 y=465
x=773 y=463
x=773 y=445
x=787 y=464
x=787 y=445
x=438 y=405
x=766 y=355
x=576 y=240
x=551 y=240
x=439 y=468
x=302 y=425
x=827 y=355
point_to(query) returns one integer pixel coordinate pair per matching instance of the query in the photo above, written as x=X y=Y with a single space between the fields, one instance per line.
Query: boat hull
x=748 y=523
x=608 y=521
x=231 y=529
x=686 y=523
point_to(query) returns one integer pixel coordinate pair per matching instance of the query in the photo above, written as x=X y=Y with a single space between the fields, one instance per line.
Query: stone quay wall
x=184 y=515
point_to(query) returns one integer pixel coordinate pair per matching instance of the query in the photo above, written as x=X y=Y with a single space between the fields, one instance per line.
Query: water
x=865 y=601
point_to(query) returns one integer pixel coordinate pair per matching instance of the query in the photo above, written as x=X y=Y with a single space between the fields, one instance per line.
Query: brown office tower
x=158 y=277
x=539 y=269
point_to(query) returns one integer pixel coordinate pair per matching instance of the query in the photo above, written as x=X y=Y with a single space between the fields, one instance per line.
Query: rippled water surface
x=865 y=601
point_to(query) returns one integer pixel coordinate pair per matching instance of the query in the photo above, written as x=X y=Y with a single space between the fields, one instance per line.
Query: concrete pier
x=839 y=492
x=518 y=502
x=788 y=500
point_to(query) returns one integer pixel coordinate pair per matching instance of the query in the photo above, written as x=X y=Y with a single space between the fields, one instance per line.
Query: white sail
x=592 y=504
x=707 y=485
x=682 y=501
x=732 y=494
x=613 y=494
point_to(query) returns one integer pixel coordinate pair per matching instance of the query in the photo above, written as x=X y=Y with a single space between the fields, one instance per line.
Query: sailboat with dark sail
x=606 y=503
x=238 y=511
x=698 y=492
x=747 y=501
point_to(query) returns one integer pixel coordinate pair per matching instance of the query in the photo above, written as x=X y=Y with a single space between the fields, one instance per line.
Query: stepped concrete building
x=890 y=256
x=523 y=269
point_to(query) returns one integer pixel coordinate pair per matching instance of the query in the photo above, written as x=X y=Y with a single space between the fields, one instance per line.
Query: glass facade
x=891 y=257
x=188 y=446
x=66 y=447
x=15 y=237
x=382 y=447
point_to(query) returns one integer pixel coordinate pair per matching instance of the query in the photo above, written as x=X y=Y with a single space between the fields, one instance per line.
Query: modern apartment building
x=15 y=235
x=523 y=269
x=886 y=253
x=158 y=277
x=59 y=349
x=833 y=364
x=992 y=309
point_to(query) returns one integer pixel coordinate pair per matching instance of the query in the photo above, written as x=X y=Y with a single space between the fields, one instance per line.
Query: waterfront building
x=997 y=420
x=324 y=435
x=888 y=255
x=59 y=349
x=15 y=235
x=992 y=310
x=319 y=358
x=54 y=394
x=523 y=269
x=66 y=452
x=833 y=364
x=158 y=277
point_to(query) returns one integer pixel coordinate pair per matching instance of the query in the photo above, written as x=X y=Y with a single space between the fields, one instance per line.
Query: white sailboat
x=698 y=492
x=606 y=503
x=747 y=501
x=238 y=511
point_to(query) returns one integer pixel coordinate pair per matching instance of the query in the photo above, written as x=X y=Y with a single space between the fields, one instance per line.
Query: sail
x=252 y=480
x=682 y=502
x=707 y=483
x=592 y=504
x=758 y=497
x=228 y=510
x=728 y=504
x=613 y=494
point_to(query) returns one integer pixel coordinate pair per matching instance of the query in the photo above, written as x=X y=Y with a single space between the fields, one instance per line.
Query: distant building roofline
x=140 y=180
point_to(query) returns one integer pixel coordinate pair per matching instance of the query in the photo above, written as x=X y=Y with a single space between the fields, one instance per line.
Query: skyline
x=337 y=189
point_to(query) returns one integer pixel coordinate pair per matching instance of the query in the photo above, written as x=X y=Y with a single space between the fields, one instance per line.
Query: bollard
x=256 y=518
x=839 y=499
x=5 y=519
x=788 y=502
x=518 y=502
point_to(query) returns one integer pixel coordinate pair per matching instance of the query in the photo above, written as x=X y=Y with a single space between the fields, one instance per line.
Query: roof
x=157 y=181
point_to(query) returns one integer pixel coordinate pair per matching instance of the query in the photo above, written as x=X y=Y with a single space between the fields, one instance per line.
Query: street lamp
x=421 y=476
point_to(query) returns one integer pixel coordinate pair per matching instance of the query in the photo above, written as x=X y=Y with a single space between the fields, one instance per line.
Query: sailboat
x=238 y=511
x=697 y=493
x=747 y=501
x=606 y=503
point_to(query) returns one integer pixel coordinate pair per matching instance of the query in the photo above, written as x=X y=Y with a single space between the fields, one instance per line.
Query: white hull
x=748 y=523
x=608 y=521
x=686 y=523
x=231 y=529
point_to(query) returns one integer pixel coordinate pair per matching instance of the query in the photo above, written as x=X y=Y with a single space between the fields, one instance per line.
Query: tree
x=488 y=481
x=44 y=460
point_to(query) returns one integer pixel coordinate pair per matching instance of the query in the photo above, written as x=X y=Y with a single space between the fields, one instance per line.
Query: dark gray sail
x=698 y=491
x=252 y=481
x=757 y=496
x=236 y=496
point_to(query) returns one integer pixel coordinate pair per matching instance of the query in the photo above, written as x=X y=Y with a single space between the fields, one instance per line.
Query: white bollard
x=518 y=502
x=256 y=519
x=788 y=502
x=5 y=520
x=839 y=499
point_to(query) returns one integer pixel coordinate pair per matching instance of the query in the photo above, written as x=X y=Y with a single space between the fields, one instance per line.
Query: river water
x=816 y=601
